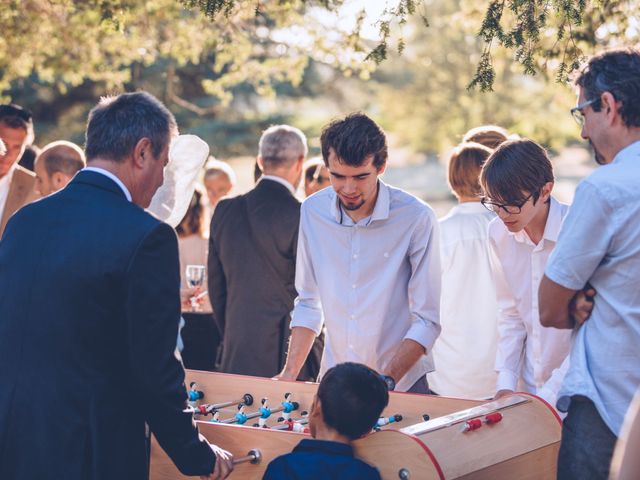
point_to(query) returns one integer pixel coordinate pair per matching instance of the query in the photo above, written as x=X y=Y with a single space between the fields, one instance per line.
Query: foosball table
x=417 y=437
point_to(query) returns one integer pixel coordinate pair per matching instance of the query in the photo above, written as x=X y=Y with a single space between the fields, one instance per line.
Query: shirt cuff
x=307 y=317
x=425 y=336
x=507 y=381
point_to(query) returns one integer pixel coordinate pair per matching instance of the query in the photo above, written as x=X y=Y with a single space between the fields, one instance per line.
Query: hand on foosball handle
x=224 y=464
x=502 y=393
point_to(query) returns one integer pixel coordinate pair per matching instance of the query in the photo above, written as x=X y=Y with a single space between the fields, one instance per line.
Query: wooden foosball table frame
x=522 y=445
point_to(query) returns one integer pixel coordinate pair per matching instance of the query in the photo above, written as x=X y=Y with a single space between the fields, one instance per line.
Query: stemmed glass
x=194 y=275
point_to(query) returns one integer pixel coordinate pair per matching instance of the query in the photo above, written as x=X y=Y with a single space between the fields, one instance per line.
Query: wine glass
x=194 y=275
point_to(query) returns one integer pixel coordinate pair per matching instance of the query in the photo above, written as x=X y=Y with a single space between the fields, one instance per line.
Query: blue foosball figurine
x=216 y=416
x=265 y=413
x=194 y=394
x=287 y=407
x=382 y=421
x=241 y=417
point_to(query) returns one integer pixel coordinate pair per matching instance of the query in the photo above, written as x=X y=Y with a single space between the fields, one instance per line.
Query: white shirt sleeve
x=425 y=283
x=549 y=391
x=307 y=311
x=512 y=332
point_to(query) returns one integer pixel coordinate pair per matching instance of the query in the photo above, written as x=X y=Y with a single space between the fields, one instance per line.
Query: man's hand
x=285 y=375
x=224 y=464
x=581 y=305
x=502 y=393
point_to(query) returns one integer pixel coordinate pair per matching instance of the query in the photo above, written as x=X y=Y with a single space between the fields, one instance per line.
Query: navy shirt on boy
x=320 y=459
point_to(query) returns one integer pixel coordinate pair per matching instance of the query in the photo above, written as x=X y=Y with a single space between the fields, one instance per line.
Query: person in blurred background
x=16 y=182
x=465 y=353
x=490 y=136
x=219 y=179
x=200 y=336
x=252 y=260
x=316 y=176
x=56 y=165
x=28 y=158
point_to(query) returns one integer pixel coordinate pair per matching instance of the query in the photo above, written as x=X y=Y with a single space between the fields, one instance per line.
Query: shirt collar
x=380 y=210
x=110 y=175
x=324 y=446
x=629 y=151
x=551 y=228
x=280 y=180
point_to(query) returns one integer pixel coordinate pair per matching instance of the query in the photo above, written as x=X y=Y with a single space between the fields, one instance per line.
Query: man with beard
x=599 y=244
x=368 y=265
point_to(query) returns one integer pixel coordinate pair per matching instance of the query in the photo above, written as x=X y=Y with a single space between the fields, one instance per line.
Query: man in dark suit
x=89 y=310
x=252 y=256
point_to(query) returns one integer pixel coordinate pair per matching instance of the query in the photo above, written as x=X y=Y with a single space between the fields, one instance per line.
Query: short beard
x=598 y=157
x=352 y=207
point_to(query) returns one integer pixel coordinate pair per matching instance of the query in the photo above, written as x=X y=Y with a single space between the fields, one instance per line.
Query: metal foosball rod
x=254 y=457
x=205 y=409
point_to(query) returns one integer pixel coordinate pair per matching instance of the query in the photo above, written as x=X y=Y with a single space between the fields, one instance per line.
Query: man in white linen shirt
x=599 y=245
x=465 y=352
x=368 y=265
x=517 y=180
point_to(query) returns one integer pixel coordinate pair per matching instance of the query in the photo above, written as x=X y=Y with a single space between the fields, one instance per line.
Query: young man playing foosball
x=349 y=401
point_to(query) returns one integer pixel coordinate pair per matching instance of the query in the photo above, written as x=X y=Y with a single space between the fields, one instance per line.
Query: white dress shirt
x=527 y=350
x=107 y=173
x=5 y=185
x=465 y=352
x=373 y=283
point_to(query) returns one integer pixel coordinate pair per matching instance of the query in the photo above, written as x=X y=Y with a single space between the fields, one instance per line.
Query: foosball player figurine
x=215 y=416
x=265 y=413
x=382 y=421
x=194 y=394
x=241 y=417
x=287 y=407
x=350 y=399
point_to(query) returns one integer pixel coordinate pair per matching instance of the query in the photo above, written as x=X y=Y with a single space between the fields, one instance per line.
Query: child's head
x=350 y=399
x=488 y=135
x=464 y=169
x=517 y=180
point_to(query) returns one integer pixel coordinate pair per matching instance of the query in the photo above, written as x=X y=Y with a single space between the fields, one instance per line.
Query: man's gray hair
x=281 y=145
x=118 y=123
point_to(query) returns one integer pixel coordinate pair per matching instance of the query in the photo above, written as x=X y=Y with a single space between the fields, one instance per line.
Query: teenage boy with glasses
x=517 y=180
x=16 y=183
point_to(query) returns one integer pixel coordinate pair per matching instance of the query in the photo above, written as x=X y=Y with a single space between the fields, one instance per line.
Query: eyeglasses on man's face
x=513 y=209
x=578 y=114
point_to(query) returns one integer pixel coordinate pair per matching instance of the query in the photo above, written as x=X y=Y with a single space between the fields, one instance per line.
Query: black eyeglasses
x=510 y=209
x=578 y=114
x=13 y=110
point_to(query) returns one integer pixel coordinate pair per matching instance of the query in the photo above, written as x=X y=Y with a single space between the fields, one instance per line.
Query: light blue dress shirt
x=373 y=283
x=600 y=243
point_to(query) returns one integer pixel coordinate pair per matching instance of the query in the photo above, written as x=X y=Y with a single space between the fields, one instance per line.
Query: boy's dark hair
x=514 y=170
x=353 y=139
x=616 y=72
x=352 y=397
x=464 y=169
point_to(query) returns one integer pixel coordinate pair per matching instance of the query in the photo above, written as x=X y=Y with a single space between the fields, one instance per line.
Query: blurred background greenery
x=229 y=75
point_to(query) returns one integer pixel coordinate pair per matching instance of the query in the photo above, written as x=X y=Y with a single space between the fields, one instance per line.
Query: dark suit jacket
x=21 y=192
x=252 y=257
x=89 y=309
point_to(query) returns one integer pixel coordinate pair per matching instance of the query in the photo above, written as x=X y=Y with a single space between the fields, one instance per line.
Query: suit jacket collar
x=98 y=180
x=267 y=184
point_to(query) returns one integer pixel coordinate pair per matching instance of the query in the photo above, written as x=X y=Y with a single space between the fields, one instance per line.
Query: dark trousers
x=421 y=386
x=201 y=341
x=587 y=443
